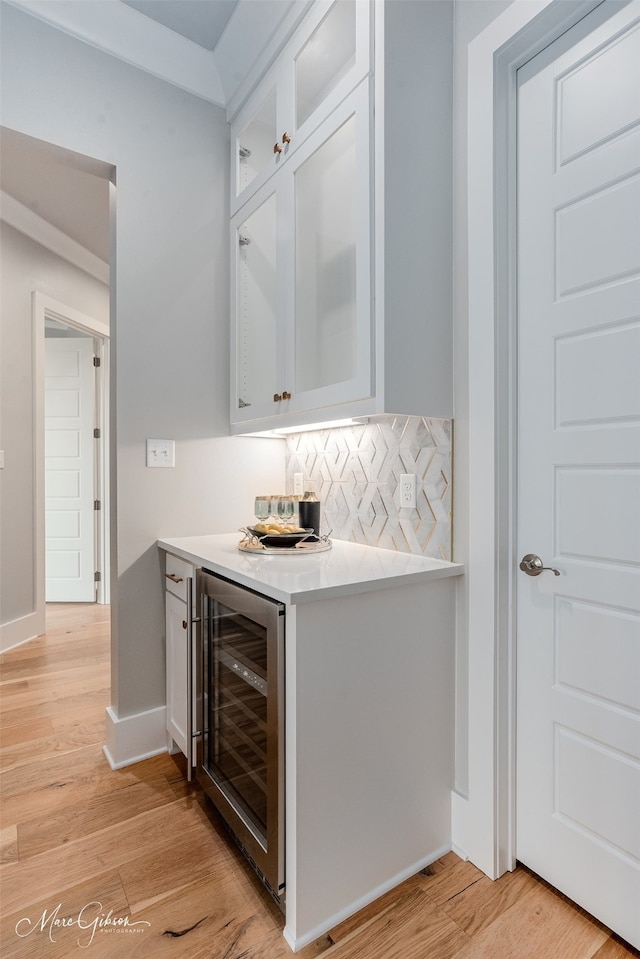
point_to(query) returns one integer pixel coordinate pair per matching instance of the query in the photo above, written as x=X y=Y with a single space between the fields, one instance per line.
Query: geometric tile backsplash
x=355 y=472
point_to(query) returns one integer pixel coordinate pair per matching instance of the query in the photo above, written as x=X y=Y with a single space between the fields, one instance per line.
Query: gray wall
x=26 y=266
x=169 y=301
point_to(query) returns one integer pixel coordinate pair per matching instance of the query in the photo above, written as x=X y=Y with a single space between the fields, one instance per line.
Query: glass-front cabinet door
x=324 y=61
x=254 y=142
x=303 y=277
x=326 y=335
x=327 y=58
x=257 y=354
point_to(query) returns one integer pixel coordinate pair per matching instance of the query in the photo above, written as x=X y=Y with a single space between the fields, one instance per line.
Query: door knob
x=532 y=565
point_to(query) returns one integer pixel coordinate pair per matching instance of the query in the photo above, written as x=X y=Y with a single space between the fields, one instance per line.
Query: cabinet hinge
x=96 y=361
x=242 y=404
x=96 y=433
x=97 y=576
x=244 y=152
x=97 y=504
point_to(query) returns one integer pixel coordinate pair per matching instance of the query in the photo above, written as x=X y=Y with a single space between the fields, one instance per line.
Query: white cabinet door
x=301 y=277
x=177 y=659
x=325 y=60
x=578 y=646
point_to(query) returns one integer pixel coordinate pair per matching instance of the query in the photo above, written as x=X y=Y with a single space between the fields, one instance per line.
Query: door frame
x=43 y=307
x=483 y=819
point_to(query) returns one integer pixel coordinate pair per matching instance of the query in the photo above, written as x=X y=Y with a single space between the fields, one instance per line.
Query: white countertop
x=345 y=569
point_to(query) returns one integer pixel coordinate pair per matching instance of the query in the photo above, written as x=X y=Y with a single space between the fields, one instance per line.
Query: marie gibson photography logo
x=90 y=921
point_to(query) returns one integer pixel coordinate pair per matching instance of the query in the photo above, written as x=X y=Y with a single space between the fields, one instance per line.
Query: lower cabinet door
x=177 y=659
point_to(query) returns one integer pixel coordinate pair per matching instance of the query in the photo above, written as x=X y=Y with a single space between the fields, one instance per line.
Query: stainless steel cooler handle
x=191 y=733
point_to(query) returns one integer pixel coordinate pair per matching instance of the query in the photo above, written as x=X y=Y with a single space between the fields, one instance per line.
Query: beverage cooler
x=240 y=706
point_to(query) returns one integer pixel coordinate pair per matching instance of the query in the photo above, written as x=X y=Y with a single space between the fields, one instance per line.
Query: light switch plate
x=161 y=453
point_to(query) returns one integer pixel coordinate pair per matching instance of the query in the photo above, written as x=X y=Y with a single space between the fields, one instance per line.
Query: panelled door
x=69 y=470
x=578 y=630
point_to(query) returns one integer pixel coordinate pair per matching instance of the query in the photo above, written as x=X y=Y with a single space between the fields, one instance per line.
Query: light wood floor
x=86 y=845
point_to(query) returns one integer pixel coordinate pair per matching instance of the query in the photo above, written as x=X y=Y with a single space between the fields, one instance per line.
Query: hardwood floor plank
x=29 y=791
x=52 y=872
x=23 y=733
x=67 y=825
x=450 y=876
x=386 y=903
x=69 y=737
x=616 y=949
x=36 y=931
x=541 y=925
x=477 y=906
x=65 y=615
x=8 y=844
x=57 y=707
x=413 y=929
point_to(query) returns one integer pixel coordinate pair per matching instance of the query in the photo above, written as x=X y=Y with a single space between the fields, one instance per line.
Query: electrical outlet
x=408 y=490
x=161 y=452
x=298 y=484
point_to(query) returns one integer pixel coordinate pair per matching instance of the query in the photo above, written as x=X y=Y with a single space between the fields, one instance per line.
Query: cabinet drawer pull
x=277 y=148
x=173 y=577
x=286 y=138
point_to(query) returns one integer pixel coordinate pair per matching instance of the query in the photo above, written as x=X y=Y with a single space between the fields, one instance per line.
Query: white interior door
x=578 y=633
x=69 y=470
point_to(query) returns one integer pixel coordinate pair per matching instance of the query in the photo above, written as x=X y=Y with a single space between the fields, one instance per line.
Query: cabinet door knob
x=286 y=395
x=277 y=397
x=277 y=148
x=286 y=138
x=184 y=624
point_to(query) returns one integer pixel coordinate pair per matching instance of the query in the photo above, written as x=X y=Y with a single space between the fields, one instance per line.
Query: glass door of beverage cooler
x=241 y=762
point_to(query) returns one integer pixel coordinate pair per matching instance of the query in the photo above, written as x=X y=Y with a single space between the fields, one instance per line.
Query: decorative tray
x=252 y=543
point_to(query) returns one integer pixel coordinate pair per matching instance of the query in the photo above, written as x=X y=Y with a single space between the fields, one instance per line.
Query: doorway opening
x=58 y=232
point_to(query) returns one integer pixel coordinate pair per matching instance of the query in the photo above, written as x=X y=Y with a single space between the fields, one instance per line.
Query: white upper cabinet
x=341 y=239
x=301 y=276
x=325 y=60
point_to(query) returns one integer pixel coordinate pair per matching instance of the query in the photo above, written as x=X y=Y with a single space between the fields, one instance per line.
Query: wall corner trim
x=134 y=738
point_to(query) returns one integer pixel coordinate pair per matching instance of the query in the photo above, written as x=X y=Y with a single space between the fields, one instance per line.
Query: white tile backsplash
x=355 y=472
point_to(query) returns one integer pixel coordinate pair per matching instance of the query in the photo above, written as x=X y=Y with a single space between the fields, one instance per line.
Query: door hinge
x=97 y=504
x=96 y=433
x=97 y=576
x=96 y=361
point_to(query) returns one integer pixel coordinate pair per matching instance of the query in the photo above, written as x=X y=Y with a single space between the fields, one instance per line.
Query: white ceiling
x=208 y=47
x=201 y=21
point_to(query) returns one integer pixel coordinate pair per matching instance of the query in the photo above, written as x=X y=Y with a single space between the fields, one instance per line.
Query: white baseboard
x=134 y=738
x=299 y=942
x=21 y=630
x=459 y=852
